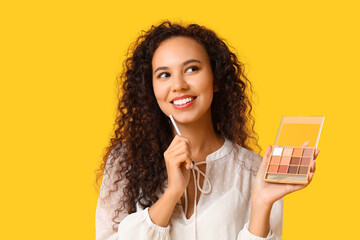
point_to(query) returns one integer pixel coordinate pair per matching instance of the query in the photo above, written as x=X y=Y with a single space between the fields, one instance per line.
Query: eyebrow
x=184 y=63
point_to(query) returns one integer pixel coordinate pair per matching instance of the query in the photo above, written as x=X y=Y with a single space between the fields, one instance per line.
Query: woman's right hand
x=178 y=161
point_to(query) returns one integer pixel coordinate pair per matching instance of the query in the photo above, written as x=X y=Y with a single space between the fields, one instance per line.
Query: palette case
x=290 y=160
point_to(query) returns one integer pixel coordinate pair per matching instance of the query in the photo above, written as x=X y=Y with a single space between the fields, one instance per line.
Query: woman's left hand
x=268 y=193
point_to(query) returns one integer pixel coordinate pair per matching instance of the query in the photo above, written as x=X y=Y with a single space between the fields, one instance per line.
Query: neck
x=202 y=136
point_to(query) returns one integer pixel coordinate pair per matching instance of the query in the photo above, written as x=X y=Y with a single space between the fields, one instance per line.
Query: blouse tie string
x=194 y=168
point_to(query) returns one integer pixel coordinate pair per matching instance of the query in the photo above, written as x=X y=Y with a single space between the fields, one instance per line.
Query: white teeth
x=183 y=101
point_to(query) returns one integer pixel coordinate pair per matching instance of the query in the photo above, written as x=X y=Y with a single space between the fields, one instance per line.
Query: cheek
x=159 y=92
x=161 y=96
x=207 y=85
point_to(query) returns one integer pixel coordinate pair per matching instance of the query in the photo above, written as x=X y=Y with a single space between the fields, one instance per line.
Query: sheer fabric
x=223 y=213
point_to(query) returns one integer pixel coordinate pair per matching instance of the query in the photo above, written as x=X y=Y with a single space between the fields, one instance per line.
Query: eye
x=164 y=75
x=192 y=69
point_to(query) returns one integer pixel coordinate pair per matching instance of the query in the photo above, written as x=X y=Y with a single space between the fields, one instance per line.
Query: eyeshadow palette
x=294 y=149
x=289 y=165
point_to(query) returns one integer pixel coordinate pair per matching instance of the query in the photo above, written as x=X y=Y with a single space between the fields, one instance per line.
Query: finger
x=184 y=158
x=305 y=144
x=317 y=151
x=179 y=141
x=186 y=140
x=174 y=141
x=310 y=177
x=312 y=166
x=188 y=164
x=188 y=161
x=179 y=150
x=181 y=147
x=266 y=157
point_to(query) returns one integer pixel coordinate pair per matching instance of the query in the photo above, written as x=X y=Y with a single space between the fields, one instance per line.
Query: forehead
x=176 y=50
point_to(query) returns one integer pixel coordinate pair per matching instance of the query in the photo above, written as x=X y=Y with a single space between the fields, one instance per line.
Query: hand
x=268 y=193
x=265 y=194
x=178 y=161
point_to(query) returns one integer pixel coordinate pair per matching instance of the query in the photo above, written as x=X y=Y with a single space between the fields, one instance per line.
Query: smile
x=183 y=103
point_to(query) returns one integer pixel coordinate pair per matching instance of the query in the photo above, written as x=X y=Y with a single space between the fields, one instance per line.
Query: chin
x=187 y=117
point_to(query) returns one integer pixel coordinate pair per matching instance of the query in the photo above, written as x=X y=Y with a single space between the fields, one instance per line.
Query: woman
x=206 y=183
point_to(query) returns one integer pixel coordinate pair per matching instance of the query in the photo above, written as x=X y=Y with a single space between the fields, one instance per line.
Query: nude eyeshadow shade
x=289 y=165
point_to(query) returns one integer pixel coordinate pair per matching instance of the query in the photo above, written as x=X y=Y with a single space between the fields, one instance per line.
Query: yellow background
x=59 y=60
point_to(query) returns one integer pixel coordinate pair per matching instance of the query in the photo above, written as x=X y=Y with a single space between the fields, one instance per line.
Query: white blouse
x=223 y=213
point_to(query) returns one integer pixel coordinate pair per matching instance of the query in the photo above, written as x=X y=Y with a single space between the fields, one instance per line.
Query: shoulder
x=246 y=159
x=112 y=177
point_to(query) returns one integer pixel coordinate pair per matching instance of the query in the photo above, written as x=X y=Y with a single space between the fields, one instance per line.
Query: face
x=183 y=79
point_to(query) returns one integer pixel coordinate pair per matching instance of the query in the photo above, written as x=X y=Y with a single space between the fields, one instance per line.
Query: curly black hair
x=143 y=132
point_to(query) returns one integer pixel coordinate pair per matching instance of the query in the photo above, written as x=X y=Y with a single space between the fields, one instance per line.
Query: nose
x=179 y=83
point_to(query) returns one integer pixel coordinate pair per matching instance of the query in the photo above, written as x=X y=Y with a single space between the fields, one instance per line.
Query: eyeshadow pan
x=283 y=169
x=298 y=152
x=303 y=170
x=275 y=160
x=285 y=160
x=293 y=169
x=287 y=152
x=295 y=160
x=308 y=152
x=277 y=151
x=272 y=169
x=305 y=161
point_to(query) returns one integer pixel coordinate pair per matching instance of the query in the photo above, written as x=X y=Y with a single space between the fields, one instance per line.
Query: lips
x=182 y=97
x=183 y=102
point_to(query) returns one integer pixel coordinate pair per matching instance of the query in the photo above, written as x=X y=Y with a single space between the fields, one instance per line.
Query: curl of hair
x=143 y=132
